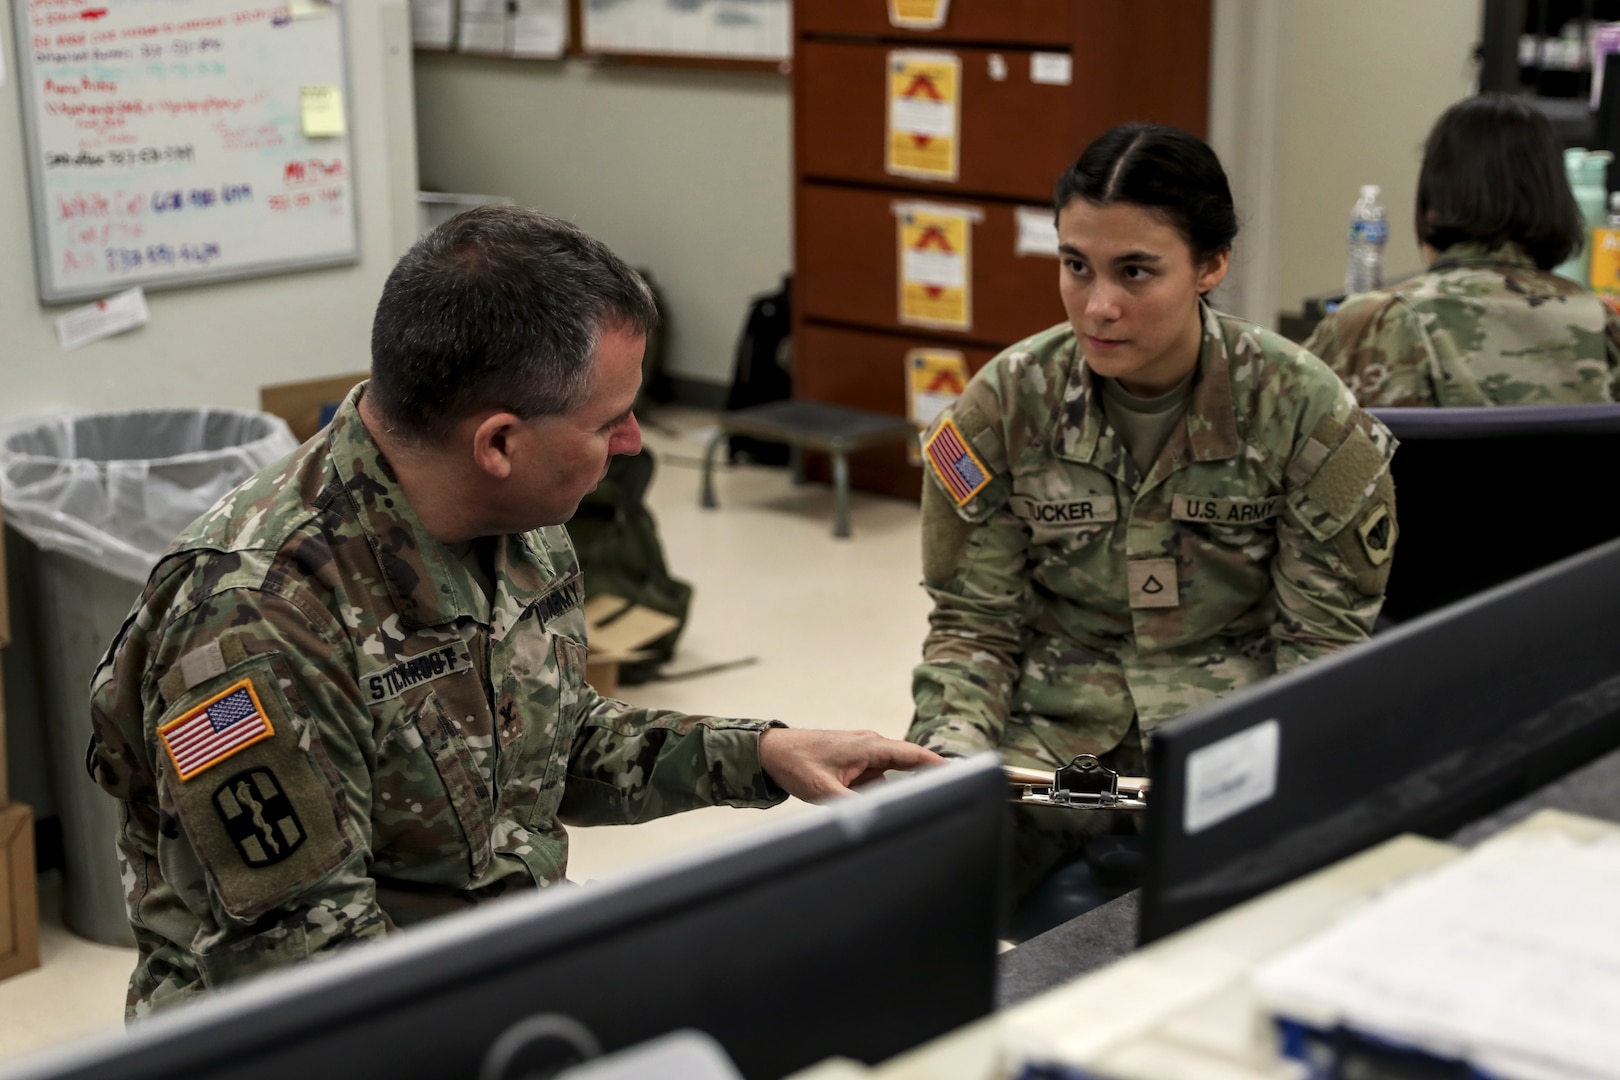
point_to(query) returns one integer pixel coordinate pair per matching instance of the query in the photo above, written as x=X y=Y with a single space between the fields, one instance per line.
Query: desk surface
x=1108 y=933
x=1182 y=1006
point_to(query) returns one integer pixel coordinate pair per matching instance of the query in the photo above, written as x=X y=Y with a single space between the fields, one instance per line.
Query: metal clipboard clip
x=1083 y=784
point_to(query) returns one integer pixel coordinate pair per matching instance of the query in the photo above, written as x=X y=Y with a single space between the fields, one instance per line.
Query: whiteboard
x=166 y=141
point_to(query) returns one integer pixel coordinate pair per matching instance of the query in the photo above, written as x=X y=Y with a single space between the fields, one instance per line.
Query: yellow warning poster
x=924 y=117
x=934 y=379
x=936 y=264
x=918 y=14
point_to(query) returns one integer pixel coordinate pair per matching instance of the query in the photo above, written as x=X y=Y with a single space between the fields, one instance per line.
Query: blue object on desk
x=1341 y=1053
x=328 y=411
x=1038 y=1070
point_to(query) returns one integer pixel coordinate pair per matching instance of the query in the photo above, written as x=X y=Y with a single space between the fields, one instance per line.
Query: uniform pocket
x=570 y=657
x=432 y=808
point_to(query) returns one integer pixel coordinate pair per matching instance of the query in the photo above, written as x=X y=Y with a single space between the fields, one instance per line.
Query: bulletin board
x=174 y=142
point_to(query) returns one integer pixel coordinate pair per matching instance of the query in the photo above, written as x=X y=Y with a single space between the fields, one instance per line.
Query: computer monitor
x=1423 y=729
x=858 y=930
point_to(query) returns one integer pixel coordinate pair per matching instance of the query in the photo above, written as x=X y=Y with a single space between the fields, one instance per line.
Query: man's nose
x=627 y=440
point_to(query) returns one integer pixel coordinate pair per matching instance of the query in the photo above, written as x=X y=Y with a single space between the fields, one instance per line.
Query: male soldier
x=352 y=695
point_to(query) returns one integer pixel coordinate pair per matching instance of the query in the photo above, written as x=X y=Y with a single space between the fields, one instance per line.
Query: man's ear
x=492 y=439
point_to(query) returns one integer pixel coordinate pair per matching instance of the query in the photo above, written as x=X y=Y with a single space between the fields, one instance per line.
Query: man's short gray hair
x=498 y=308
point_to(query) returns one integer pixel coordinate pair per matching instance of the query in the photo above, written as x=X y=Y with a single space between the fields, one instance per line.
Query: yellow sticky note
x=321 y=108
x=307 y=9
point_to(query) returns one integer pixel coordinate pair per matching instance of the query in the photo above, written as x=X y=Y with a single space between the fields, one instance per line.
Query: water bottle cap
x=1370 y=191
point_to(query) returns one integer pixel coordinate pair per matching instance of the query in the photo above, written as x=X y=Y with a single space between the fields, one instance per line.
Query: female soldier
x=1488 y=324
x=1134 y=512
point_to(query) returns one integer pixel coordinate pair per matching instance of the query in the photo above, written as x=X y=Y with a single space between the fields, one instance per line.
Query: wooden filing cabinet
x=1017 y=129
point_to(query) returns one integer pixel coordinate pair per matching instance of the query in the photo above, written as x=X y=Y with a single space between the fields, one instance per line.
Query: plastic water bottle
x=1369 y=231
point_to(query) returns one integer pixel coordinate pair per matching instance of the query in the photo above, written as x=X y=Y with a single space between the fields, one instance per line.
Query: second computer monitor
x=1422 y=729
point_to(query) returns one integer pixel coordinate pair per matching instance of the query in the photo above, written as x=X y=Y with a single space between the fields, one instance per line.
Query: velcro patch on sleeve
x=274 y=821
x=221 y=727
x=962 y=473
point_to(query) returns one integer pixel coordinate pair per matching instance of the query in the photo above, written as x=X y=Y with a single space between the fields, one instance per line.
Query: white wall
x=1362 y=83
x=217 y=344
x=683 y=173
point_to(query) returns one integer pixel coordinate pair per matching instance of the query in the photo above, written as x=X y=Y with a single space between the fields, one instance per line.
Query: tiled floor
x=833 y=628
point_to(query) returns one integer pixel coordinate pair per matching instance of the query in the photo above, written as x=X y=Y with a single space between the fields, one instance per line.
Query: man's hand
x=818 y=765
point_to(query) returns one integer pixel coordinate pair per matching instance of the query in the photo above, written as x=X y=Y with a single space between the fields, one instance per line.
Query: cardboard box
x=619 y=633
x=19 y=896
x=299 y=403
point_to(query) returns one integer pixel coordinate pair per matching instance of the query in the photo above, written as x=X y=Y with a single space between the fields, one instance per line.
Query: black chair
x=1484 y=495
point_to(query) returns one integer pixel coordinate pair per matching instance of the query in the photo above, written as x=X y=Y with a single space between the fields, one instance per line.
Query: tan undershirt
x=1145 y=424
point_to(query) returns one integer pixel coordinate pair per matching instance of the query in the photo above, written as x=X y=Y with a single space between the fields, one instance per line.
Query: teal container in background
x=1588 y=172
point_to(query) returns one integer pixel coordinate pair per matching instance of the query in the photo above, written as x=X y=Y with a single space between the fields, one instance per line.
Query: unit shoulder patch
x=1377 y=531
x=259 y=817
x=960 y=471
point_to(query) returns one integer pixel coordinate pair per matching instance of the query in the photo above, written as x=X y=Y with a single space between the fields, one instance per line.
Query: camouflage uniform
x=1075 y=597
x=1481 y=327
x=321 y=726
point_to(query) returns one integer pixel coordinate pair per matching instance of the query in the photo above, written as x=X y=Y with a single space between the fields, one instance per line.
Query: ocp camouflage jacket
x=320 y=726
x=1481 y=327
x=1072 y=593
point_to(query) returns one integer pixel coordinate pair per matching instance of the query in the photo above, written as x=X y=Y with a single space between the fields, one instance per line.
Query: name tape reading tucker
x=955 y=463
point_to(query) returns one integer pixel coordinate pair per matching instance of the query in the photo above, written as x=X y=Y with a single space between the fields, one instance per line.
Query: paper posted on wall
x=433 y=24
x=936 y=264
x=104 y=318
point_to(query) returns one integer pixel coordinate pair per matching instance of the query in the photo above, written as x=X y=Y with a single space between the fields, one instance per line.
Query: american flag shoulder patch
x=232 y=720
x=955 y=463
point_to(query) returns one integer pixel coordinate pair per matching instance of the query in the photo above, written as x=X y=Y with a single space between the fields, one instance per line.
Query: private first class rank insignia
x=955 y=463
x=226 y=723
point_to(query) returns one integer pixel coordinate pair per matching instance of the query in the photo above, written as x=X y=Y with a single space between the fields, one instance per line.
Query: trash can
x=101 y=495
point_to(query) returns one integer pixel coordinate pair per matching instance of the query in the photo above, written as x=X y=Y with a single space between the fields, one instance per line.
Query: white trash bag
x=115 y=488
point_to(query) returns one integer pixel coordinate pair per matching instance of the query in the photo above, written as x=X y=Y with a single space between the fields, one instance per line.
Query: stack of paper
x=1508 y=958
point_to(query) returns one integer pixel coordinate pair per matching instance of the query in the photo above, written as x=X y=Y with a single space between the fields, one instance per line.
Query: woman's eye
x=1137 y=273
x=1075 y=266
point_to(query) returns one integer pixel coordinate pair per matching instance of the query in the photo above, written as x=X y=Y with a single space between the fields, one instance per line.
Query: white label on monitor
x=1228 y=777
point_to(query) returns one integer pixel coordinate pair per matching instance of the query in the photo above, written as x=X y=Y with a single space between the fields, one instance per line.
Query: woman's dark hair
x=1163 y=169
x=1493 y=174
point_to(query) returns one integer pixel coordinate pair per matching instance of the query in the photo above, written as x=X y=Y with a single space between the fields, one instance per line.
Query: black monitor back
x=1484 y=495
x=1422 y=729
x=859 y=931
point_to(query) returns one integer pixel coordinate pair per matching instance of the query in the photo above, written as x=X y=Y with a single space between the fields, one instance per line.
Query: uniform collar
x=1470 y=254
x=1208 y=430
x=426 y=583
